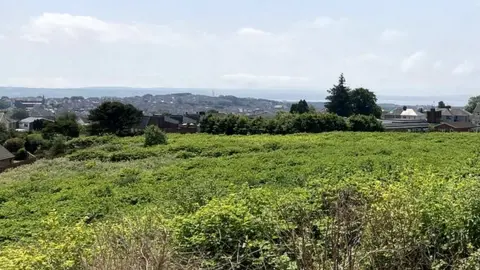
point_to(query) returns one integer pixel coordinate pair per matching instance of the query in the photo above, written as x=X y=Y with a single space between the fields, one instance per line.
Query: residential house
x=455 y=127
x=27 y=123
x=7 y=122
x=476 y=115
x=404 y=113
x=450 y=115
x=6 y=158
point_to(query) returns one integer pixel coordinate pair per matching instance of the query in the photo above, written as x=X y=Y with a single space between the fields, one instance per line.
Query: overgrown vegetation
x=336 y=200
x=287 y=123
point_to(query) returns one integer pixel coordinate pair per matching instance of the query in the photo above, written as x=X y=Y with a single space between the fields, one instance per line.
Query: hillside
x=361 y=200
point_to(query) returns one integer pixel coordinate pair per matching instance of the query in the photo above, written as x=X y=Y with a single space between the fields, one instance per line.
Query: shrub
x=34 y=141
x=21 y=154
x=13 y=145
x=154 y=136
x=59 y=147
x=364 y=123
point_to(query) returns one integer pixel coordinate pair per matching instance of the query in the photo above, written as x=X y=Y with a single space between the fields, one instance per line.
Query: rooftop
x=5 y=154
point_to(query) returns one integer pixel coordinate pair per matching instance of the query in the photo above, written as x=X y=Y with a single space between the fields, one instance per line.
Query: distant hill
x=289 y=95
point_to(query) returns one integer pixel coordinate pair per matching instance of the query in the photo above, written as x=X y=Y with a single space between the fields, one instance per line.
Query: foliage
x=364 y=102
x=58 y=147
x=21 y=154
x=115 y=118
x=38 y=124
x=4 y=134
x=300 y=107
x=338 y=200
x=364 y=123
x=283 y=123
x=339 y=99
x=472 y=104
x=19 y=114
x=34 y=142
x=14 y=144
x=441 y=105
x=154 y=136
x=65 y=125
x=4 y=104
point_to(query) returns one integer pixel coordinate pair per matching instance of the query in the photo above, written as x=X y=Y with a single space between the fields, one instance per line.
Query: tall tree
x=339 y=99
x=114 y=117
x=364 y=102
x=300 y=107
x=472 y=104
x=441 y=105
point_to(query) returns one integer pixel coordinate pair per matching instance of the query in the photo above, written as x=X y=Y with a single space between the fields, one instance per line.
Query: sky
x=401 y=48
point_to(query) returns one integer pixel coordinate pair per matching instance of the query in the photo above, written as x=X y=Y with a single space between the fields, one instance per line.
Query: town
x=174 y=112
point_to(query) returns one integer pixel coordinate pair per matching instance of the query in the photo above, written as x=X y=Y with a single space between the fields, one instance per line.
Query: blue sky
x=392 y=47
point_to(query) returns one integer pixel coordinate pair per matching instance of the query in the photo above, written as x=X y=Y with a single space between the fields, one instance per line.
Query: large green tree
x=339 y=99
x=364 y=102
x=300 y=107
x=65 y=124
x=114 y=117
x=472 y=104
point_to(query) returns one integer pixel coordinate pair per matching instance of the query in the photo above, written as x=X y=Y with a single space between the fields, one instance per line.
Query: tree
x=472 y=104
x=441 y=105
x=65 y=124
x=339 y=99
x=4 y=133
x=300 y=107
x=154 y=136
x=38 y=124
x=364 y=102
x=19 y=114
x=4 y=104
x=114 y=117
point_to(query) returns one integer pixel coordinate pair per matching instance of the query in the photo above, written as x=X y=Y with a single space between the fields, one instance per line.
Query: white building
x=411 y=114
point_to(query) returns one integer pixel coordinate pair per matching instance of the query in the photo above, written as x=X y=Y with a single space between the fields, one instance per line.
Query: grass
x=118 y=177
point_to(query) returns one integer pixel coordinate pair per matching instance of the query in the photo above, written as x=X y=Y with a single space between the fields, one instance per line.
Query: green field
x=354 y=200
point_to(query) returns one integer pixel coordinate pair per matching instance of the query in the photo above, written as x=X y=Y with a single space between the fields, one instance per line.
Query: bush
x=34 y=141
x=59 y=146
x=13 y=145
x=21 y=154
x=154 y=136
x=364 y=123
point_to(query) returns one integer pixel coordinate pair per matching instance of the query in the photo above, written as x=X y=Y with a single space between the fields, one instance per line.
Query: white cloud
x=251 y=32
x=265 y=81
x=412 y=61
x=464 y=68
x=309 y=54
x=392 y=35
x=55 y=26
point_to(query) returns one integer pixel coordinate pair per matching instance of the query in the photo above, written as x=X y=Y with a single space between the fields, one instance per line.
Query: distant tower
x=213 y=93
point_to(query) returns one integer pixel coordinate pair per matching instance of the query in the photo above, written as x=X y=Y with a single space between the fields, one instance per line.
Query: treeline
x=287 y=123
